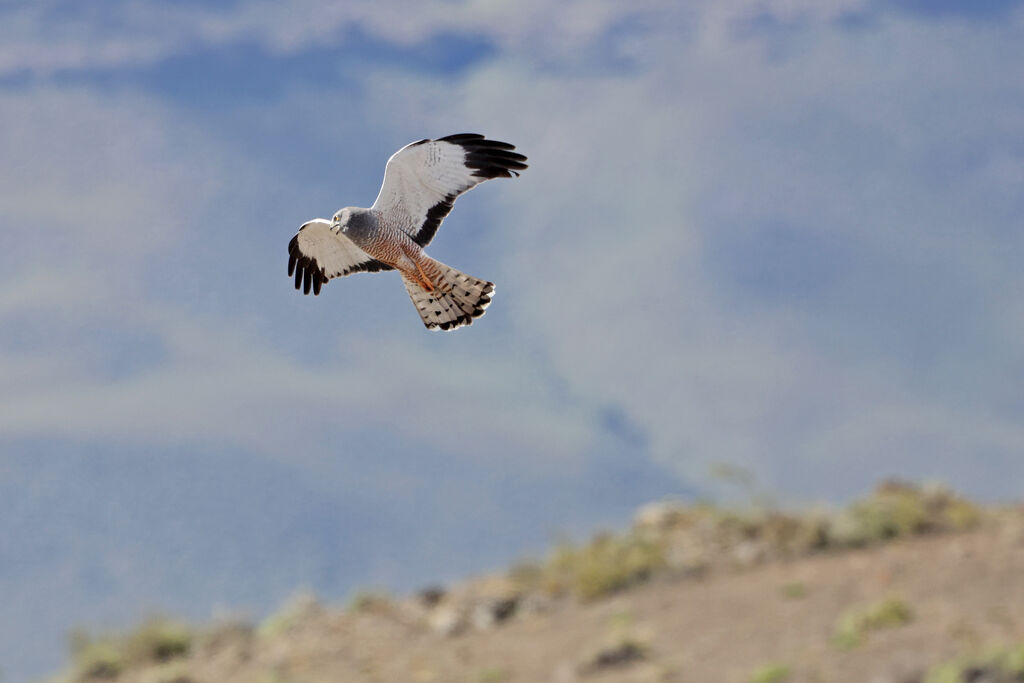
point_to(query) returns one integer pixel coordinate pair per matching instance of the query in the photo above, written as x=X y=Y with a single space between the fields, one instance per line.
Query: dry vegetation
x=908 y=585
x=678 y=539
x=157 y=640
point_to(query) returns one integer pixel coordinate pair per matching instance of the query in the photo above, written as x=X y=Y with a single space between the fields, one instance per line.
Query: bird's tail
x=455 y=300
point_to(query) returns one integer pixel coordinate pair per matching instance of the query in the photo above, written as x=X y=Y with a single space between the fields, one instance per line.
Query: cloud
x=97 y=177
x=895 y=167
x=211 y=382
x=985 y=10
x=126 y=34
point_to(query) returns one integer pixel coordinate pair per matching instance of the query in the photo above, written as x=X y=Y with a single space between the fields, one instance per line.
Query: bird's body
x=421 y=182
x=388 y=243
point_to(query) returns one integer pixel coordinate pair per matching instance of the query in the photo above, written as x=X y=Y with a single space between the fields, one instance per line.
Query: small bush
x=173 y=672
x=794 y=590
x=854 y=625
x=896 y=509
x=492 y=675
x=961 y=514
x=998 y=665
x=771 y=673
x=99 y=660
x=605 y=565
x=156 y=640
x=893 y=511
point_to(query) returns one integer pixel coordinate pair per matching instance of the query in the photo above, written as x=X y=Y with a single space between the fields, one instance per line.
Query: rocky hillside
x=908 y=585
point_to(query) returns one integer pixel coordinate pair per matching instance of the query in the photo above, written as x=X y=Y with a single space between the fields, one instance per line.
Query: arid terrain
x=907 y=585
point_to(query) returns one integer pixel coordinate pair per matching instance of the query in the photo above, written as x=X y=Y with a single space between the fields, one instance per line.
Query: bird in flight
x=421 y=182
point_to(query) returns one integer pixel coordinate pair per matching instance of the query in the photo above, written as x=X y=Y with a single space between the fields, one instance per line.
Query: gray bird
x=421 y=182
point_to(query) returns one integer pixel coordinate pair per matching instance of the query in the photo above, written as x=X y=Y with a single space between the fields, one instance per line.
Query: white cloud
x=91 y=177
x=43 y=37
x=633 y=176
x=219 y=383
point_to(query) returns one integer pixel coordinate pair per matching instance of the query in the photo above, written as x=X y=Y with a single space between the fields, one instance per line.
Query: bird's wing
x=317 y=254
x=423 y=179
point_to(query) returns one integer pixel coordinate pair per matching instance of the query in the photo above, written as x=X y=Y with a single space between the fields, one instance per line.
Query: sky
x=779 y=234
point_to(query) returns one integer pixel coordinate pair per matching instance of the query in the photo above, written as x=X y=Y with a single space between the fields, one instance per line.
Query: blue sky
x=782 y=234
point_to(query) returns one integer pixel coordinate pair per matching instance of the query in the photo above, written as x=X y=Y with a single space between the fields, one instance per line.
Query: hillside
x=906 y=585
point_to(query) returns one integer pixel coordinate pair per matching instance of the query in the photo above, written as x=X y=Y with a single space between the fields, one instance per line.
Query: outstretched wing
x=317 y=254
x=423 y=179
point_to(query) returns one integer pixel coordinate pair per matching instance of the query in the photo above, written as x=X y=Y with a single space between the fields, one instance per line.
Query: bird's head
x=341 y=217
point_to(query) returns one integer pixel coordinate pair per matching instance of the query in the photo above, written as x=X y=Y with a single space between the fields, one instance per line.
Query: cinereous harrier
x=421 y=182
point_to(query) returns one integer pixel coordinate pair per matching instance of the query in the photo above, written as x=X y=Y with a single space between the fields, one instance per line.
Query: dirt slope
x=777 y=621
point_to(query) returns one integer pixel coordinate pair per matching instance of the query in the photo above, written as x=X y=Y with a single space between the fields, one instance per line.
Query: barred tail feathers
x=456 y=300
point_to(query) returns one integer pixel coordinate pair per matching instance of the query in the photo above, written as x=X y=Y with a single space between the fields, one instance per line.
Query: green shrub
x=794 y=590
x=492 y=675
x=961 y=514
x=770 y=673
x=855 y=624
x=896 y=509
x=607 y=564
x=156 y=640
x=99 y=660
x=999 y=665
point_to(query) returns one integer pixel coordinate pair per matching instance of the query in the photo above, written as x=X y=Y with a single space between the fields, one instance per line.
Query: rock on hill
x=907 y=585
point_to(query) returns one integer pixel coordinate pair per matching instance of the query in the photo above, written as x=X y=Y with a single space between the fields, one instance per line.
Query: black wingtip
x=460 y=138
x=293 y=254
x=489 y=158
